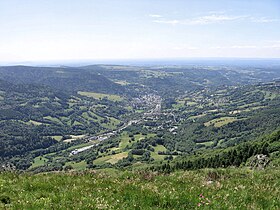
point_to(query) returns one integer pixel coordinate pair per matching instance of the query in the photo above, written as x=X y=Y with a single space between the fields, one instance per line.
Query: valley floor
x=111 y=189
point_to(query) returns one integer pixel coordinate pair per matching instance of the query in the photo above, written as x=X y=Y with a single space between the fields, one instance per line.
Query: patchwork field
x=110 y=158
x=39 y=161
x=219 y=122
x=121 y=151
x=100 y=96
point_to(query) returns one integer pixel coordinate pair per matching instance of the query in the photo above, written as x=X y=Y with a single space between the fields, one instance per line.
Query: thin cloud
x=203 y=20
x=155 y=16
x=173 y=22
x=255 y=46
x=273 y=41
x=272 y=46
x=244 y=47
x=277 y=46
x=263 y=20
x=185 y=48
x=211 y=19
x=217 y=12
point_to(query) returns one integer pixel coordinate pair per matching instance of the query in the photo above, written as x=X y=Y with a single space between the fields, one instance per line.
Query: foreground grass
x=206 y=189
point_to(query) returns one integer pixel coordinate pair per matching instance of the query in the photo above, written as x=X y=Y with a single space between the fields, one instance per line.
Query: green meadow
x=100 y=96
x=112 y=189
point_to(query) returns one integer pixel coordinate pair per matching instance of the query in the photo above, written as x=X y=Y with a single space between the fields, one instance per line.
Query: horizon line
x=117 y=61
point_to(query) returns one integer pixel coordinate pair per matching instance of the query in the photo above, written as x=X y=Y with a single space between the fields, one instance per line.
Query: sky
x=59 y=30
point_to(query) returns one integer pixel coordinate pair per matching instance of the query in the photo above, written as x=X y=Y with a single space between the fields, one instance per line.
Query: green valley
x=194 y=131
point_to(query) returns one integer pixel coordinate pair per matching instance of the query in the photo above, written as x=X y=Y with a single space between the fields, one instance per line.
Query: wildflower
x=203 y=200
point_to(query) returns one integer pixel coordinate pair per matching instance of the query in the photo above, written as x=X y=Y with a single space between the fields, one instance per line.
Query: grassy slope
x=38 y=161
x=220 y=121
x=230 y=189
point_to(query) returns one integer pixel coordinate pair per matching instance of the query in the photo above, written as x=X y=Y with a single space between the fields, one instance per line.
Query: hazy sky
x=45 y=30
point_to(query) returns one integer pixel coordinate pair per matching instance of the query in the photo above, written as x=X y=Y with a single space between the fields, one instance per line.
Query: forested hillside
x=64 y=79
x=240 y=155
x=36 y=117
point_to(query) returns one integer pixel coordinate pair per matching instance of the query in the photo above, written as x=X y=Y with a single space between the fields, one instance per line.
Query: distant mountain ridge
x=68 y=79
